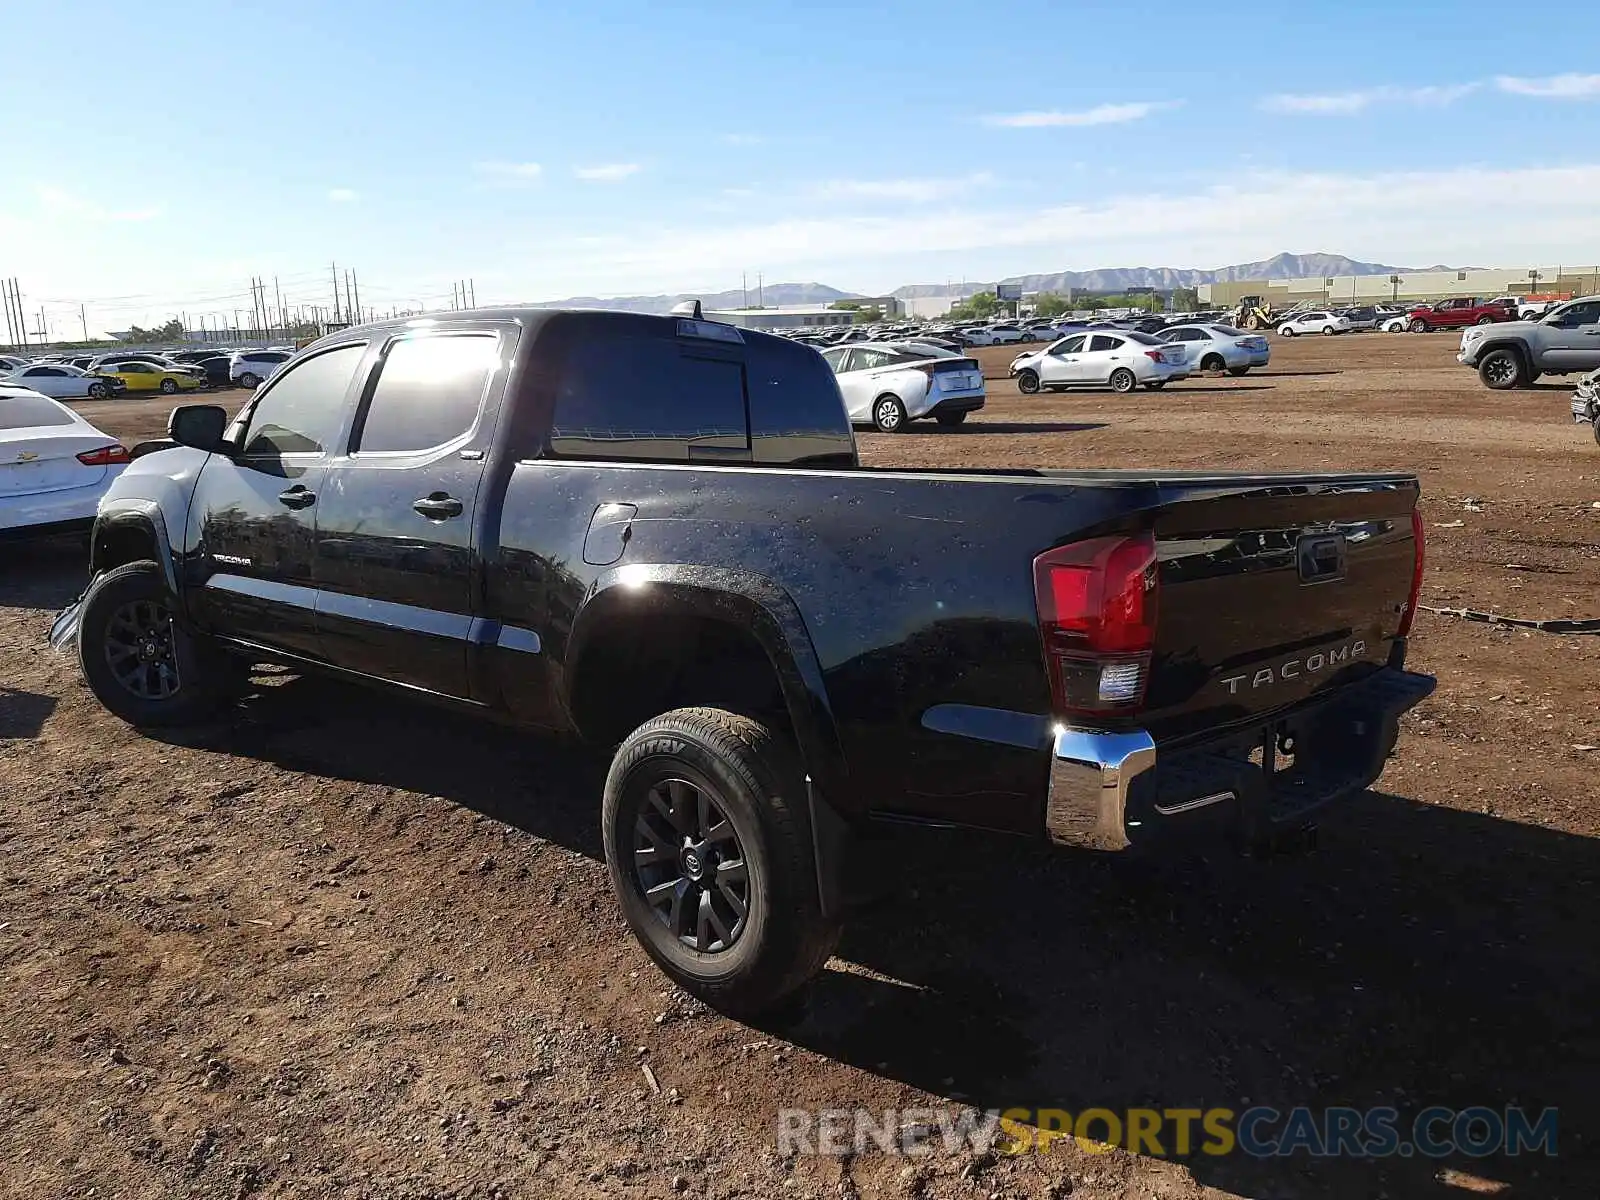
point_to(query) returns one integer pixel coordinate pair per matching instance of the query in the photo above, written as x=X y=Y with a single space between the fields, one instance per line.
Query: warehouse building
x=1550 y=282
x=802 y=316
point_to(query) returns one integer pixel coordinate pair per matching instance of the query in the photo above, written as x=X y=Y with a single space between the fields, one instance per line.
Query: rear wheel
x=169 y=386
x=888 y=414
x=1328 y=331
x=1028 y=383
x=1212 y=362
x=1123 y=380
x=951 y=419
x=1597 y=431
x=1502 y=369
x=1239 y=370
x=139 y=663
x=1484 y=321
x=709 y=855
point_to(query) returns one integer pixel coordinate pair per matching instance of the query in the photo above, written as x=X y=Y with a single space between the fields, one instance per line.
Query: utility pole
x=473 y=284
x=744 y=289
x=83 y=317
x=11 y=327
x=334 y=269
x=283 y=317
x=21 y=319
x=761 y=291
x=355 y=288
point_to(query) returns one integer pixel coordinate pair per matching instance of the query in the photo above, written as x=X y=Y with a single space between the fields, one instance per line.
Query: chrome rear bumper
x=1090 y=774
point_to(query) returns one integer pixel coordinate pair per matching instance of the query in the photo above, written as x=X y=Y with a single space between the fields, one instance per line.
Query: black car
x=654 y=532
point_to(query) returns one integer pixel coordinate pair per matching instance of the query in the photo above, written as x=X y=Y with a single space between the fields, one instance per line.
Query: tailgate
x=1271 y=595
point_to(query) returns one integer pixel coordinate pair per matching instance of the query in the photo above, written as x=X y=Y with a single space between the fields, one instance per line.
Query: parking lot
x=336 y=945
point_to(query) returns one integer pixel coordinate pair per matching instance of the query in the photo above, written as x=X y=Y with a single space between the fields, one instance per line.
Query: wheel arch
x=127 y=531
x=634 y=606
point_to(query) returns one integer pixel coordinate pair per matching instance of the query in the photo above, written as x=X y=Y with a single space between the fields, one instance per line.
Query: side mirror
x=199 y=425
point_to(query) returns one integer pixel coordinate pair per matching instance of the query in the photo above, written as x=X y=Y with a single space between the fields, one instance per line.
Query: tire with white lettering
x=138 y=660
x=710 y=854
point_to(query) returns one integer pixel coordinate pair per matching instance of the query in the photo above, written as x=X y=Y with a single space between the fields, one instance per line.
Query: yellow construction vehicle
x=1254 y=312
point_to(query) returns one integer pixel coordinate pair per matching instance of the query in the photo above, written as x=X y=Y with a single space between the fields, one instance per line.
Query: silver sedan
x=1220 y=347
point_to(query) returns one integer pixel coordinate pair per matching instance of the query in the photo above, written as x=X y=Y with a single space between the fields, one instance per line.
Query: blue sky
x=162 y=153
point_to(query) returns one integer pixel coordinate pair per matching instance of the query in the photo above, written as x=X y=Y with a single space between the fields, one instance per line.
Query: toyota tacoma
x=654 y=532
x=1565 y=339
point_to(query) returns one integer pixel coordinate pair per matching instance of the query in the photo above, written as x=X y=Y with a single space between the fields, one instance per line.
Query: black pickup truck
x=654 y=532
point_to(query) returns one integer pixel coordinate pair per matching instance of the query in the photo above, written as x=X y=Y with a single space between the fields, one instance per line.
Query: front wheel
x=1419 y=327
x=1501 y=370
x=1287 y=331
x=1238 y=371
x=1123 y=380
x=139 y=663
x=1028 y=383
x=888 y=414
x=97 y=391
x=169 y=387
x=248 y=380
x=707 y=846
x=951 y=419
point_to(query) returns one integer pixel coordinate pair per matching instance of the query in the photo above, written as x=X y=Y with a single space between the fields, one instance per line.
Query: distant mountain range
x=1107 y=280
x=771 y=294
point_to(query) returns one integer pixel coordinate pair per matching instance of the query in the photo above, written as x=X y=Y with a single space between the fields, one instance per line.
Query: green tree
x=172 y=331
x=846 y=305
x=977 y=307
x=1050 y=304
x=1185 y=299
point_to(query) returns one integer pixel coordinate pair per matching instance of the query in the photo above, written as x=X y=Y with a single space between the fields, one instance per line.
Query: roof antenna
x=688 y=308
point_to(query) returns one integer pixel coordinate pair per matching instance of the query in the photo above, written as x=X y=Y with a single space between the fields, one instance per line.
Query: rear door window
x=622 y=394
x=1102 y=342
x=428 y=392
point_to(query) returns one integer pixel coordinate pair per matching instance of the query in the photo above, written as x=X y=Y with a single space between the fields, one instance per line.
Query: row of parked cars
x=888 y=384
x=100 y=377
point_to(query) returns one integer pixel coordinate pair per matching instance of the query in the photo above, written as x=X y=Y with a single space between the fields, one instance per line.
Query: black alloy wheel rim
x=140 y=650
x=1502 y=370
x=690 y=866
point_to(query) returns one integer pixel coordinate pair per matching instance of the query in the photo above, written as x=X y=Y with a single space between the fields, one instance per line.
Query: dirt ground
x=336 y=946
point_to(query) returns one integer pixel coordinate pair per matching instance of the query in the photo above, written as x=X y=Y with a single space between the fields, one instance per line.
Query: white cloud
x=1551 y=87
x=509 y=174
x=1342 y=104
x=61 y=203
x=343 y=195
x=1398 y=217
x=607 y=172
x=1104 y=114
x=909 y=191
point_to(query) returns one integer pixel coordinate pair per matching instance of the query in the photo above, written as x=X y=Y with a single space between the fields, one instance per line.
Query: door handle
x=438 y=506
x=297 y=497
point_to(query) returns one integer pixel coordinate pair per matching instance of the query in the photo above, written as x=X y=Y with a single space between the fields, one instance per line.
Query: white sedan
x=1319 y=321
x=1121 y=359
x=62 y=381
x=890 y=384
x=54 y=465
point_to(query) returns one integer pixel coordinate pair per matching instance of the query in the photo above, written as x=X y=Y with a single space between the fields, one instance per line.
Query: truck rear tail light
x=1097 y=619
x=106 y=456
x=1418 y=553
